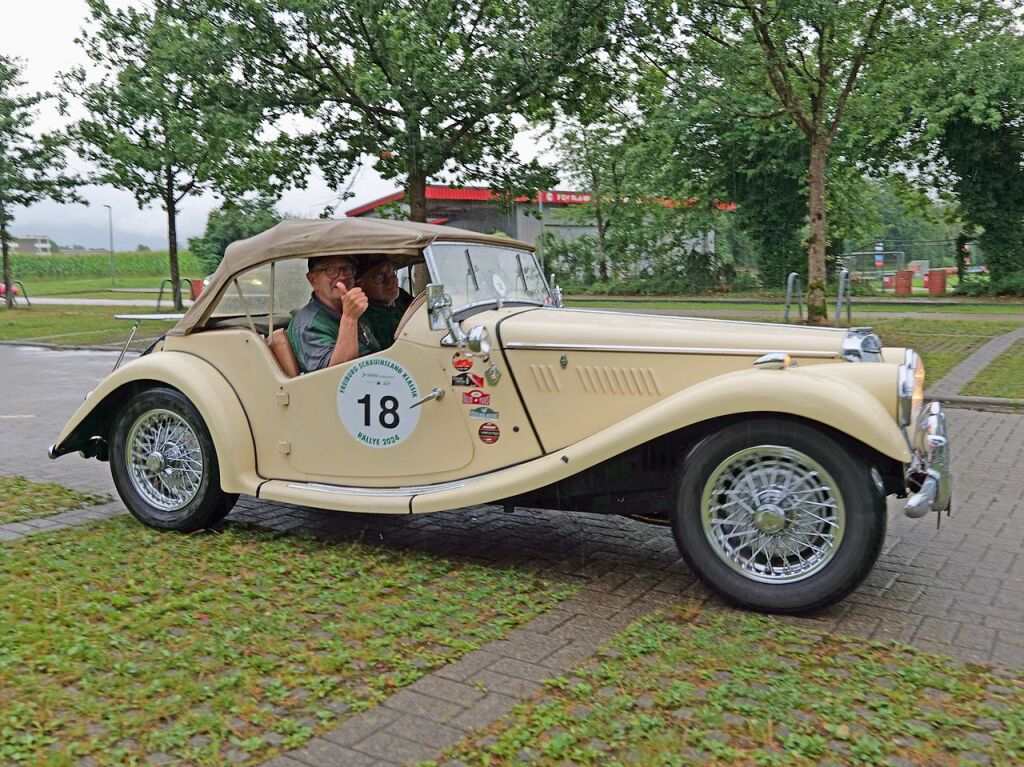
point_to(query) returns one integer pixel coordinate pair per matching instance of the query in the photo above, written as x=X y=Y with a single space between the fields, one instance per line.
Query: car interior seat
x=282 y=351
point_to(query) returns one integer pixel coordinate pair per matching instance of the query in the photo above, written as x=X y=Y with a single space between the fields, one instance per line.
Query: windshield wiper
x=522 y=274
x=472 y=272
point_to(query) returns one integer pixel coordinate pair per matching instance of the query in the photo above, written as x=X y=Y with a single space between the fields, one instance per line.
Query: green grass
x=76 y=325
x=21 y=499
x=126 y=645
x=943 y=344
x=93 y=287
x=1003 y=377
x=729 y=688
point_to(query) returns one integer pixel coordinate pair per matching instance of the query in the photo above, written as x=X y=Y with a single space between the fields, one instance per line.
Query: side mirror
x=439 y=308
x=556 y=292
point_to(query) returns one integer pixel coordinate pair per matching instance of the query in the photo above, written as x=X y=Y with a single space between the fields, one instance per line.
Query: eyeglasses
x=334 y=272
x=383 y=276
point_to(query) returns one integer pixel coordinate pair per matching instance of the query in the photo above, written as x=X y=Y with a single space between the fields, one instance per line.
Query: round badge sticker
x=375 y=400
x=489 y=433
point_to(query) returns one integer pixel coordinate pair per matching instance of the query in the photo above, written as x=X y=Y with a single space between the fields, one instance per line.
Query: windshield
x=486 y=274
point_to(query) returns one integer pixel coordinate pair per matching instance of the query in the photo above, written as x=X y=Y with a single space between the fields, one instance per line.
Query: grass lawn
x=21 y=499
x=76 y=325
x=125 y=645
x=731 y=688
x=1004 y=376
x=943 y=344
x=93 y=287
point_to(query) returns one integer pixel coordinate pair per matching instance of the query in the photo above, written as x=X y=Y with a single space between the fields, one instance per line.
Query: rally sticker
x=484 y=414
x=476 y=397
x=463 y=379
x=489 y=433
x=462 y=363
x=375 y=400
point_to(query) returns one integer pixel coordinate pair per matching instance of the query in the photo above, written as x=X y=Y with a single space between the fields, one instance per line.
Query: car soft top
x=304 y=238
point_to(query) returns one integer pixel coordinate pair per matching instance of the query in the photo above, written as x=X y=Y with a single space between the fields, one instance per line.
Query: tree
x=233 y=220
x=801 y=59
x=165 y=120
x=31 y=168
x=426 y=88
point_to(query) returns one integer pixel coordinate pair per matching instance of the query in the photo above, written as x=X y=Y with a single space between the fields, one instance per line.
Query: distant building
x=37 y=244
x=480 y=209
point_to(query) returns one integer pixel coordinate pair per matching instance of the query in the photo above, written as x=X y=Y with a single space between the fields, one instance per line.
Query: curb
x=65 y=347
x=989 y=404
x=14 y=531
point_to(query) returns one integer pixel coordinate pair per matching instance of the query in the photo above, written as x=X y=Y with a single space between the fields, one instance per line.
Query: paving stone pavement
x=957 y=590
x=961 y=375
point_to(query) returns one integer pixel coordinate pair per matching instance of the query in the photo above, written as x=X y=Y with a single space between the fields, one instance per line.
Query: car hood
x=626 y=331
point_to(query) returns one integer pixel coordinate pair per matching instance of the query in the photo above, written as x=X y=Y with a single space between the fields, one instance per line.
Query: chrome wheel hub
x=165 y=460
x=773 y=514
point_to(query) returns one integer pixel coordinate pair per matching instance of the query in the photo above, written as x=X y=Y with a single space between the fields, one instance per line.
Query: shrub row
x=154 y=263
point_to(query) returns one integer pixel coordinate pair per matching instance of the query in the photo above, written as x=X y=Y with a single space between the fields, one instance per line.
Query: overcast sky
x=42 y=33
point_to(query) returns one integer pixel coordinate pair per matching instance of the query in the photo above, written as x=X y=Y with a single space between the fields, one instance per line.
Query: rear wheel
x=164 y=464
x=778 y=516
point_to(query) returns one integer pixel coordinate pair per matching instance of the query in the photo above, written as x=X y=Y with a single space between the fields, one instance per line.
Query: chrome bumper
x=930 y=469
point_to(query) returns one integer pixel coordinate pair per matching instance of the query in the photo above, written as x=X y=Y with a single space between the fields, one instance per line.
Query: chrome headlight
x=861 y=345
x=910 y=387
x=479 y=341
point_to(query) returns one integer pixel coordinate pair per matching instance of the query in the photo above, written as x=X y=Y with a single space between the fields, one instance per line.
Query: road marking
x=14 y=417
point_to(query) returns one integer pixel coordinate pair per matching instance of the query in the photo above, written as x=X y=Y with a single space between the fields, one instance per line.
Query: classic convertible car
x=768 y=449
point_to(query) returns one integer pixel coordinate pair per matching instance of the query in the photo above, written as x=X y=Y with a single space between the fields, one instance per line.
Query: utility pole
x=110 y=226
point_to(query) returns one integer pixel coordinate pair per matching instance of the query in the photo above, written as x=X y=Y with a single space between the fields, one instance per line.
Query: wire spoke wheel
x=773 y=514
x=164 y=459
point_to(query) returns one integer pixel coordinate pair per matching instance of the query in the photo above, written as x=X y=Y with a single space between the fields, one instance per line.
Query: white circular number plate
x=374 y=402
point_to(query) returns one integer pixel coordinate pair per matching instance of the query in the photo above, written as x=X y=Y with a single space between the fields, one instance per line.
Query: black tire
x=171 y=480
x=778 y=556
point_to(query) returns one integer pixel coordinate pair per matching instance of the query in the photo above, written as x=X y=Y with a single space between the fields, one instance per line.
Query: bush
x=973 y=286
x=24 y=265
x=1011 y=284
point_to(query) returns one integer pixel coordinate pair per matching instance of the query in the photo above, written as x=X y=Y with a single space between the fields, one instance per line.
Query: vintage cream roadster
x=769 y=449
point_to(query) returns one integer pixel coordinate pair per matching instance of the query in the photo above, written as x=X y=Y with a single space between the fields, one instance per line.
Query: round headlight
x=910 y=387
x=478 y=341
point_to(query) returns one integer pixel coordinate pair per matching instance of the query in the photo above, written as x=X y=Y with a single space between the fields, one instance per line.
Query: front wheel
x=164 y=463
x=777 y=516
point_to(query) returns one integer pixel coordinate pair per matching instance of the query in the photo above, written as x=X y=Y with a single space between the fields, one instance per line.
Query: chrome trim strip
x=668 y=349
x=690 y=318
x=387 y=492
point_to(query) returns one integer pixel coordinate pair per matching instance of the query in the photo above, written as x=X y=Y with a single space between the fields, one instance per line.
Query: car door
x=376 y=420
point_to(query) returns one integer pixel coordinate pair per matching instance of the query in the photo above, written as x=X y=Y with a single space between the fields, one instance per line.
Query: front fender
x=845 y=397
x=198 y=380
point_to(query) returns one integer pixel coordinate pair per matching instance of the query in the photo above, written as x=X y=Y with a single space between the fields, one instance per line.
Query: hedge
x=152 y=263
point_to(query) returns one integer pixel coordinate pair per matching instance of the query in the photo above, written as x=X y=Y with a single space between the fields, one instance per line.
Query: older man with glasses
x=329 y=329
x=387 y=301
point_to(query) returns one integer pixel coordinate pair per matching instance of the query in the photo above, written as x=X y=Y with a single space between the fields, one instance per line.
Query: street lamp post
x=110 y=226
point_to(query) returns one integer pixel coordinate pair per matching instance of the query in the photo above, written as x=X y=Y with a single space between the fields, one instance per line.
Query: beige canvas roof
x=303 y=238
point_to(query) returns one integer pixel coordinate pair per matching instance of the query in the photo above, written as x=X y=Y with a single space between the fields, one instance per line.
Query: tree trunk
x=961 y=255
x=817 y=309
x=8 y=285
x=172 y=250
x=416 y=192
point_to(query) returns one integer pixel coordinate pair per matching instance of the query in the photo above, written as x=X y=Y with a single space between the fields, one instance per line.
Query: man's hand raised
x=353 y=302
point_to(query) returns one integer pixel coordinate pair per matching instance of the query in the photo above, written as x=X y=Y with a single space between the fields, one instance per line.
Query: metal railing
x=24 y=292
x=793 y=281
x=844 y=290
x=170 y=282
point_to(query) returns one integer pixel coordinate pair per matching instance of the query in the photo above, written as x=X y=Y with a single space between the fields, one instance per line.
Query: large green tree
x=233 y=220
x=803 y=60
x=165 y=118
x=32 y=168
x=427 y=88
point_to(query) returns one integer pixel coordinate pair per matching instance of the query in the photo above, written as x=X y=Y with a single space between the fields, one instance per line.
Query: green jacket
x=313 y=333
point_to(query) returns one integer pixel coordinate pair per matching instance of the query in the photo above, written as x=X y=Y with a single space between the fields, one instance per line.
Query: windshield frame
x=436 y=277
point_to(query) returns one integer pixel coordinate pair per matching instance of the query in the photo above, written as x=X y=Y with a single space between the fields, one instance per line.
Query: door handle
x=437 y=393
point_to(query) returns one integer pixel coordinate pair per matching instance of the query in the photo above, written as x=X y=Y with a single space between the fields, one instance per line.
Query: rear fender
x=198 y=380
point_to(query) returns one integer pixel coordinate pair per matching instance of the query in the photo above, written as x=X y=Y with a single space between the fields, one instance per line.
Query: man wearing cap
x=387 y=301
x=329 y=329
